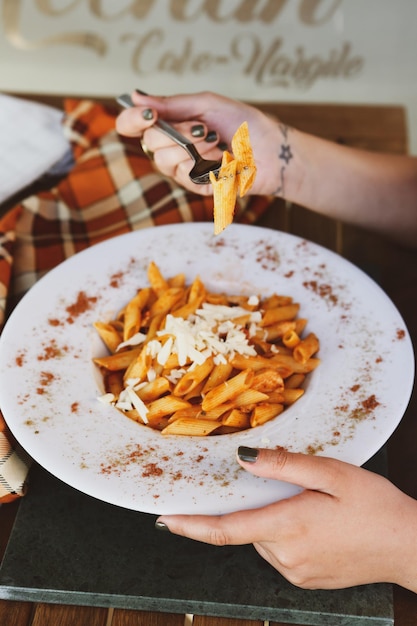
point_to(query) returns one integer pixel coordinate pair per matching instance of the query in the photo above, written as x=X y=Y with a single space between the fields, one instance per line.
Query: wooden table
x=395 y=268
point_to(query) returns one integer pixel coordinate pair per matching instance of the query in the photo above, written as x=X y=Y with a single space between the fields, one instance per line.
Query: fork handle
x=126 y=101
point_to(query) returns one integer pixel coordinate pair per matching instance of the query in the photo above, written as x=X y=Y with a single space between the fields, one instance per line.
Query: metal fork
x=200 y=172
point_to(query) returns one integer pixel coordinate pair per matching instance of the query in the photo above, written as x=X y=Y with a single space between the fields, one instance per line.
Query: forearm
x=372 y=190
x=377 y=191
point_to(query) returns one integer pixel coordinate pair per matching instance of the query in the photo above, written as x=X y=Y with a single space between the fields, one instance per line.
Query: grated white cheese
x=151 y=374
x=135 y=384
x=138 y=404
x=222 y=312
x=132 y=382
x=123 y=403
x=107 y=398
x=153 y=347
x=175 y=375
x=165 y=352
x=128 y=400
x=209 y=332
x=134 y=340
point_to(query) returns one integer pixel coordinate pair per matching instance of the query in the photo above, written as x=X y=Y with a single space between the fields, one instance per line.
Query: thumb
x=314 y=473
x=310 y=472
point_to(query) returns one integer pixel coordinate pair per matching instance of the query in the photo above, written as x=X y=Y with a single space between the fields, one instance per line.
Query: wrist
x=290 y=169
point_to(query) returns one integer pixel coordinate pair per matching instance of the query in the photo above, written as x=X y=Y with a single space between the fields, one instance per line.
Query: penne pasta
x=195 y=393
x=224 y=194
x=264 y=412
x=118 y=360
x=166 y=301
x=133 y=313
x=289 y=365
x=291 y=395
x=276 y=397
x=185 y=361
x=268 y=380
x=278 y=330
x=248 y=398
x=157 y=281
x=280 y=314
x=227 y=390
x=193 y=378
x=114 y=382
x=190 y=426
x=255 y=363
x=218 y=375
x=154 y=389
x=176 y=281
x=236 y=419
x=294 y=381
x=139 y=367
x=109 y=334
x=188 y=412
x=276 y=300
x=217 y=411
x=291 y=339
x=165 y=406
x=306 y=348
x=236 y=176
x=244 y=156
x=300 y=324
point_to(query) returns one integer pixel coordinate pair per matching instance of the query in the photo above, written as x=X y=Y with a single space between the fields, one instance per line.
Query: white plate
x=49 y=387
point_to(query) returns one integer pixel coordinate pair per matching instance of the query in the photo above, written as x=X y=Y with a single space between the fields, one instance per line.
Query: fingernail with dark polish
x=211 y=136
x=147 y=114
x=197 y=130
x=161 y=526
x=222 y=146
x=249 y=455
x=142 y=93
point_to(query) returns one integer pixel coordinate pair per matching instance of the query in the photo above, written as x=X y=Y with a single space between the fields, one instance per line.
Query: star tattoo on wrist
x=285 y=155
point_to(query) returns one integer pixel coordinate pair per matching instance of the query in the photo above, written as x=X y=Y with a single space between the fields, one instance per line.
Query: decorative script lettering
x=149 y=48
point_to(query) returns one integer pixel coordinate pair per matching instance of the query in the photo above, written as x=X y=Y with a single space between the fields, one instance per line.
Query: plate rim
x=206 y=227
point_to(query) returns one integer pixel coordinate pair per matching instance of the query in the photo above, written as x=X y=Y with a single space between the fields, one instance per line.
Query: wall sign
x=292 y=50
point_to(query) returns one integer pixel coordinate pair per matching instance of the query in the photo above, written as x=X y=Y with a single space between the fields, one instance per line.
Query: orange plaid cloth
x=112 y=189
